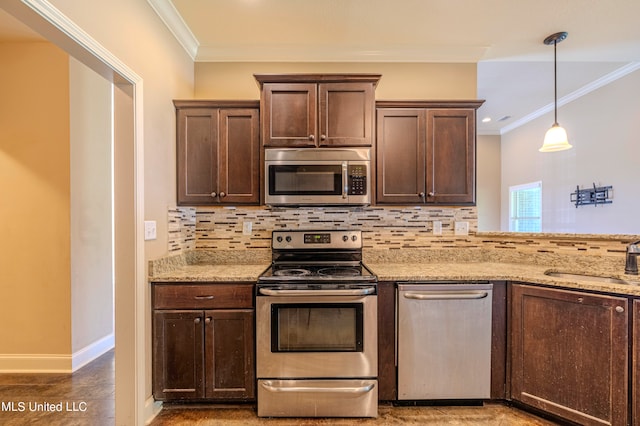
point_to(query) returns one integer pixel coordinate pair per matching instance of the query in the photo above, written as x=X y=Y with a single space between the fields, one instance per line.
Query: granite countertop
x=500 y=271
x=245 y=266
x=212 y=273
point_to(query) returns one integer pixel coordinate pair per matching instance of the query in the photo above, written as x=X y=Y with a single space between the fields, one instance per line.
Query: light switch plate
x=150 y=230
x=437 y=227
x=246 y=228
x=462 y=228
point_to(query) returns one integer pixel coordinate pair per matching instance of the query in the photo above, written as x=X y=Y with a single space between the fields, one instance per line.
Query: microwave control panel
x=357 y=179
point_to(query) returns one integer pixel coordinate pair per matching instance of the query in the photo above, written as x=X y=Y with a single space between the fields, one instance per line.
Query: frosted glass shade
x=555 y=139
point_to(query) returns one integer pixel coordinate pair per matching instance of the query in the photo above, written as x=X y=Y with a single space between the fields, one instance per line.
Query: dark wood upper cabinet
x=218 y=157
x=401 y=156
x=569 y=354
x=317 y=110
x=451 y=156
x=426 y=152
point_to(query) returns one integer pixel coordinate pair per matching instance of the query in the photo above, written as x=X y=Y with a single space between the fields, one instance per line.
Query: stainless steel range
x=316 y=321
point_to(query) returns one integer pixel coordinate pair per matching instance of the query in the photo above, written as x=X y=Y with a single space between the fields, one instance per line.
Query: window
x=525 y=207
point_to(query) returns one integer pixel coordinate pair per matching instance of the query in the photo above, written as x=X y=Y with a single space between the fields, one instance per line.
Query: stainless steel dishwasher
x=444 y=340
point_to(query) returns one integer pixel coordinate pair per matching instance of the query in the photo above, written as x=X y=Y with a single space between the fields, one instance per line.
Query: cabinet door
x=239 y=156
x=197 y=155
x=178 y=355
x=570 y=354
x=400 y=160
x=289 y=114
x=229 y=354
x=451 y=158
x=346 y=114
x=636 y=364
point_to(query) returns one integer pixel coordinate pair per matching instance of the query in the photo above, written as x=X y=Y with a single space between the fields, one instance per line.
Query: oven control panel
x=325 y=239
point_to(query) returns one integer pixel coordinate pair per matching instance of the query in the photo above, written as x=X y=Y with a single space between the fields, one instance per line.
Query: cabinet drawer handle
x=619 y=309
x=209 y=297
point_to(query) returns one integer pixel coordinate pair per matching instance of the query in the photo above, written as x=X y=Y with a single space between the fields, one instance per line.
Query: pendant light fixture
x=556 y=137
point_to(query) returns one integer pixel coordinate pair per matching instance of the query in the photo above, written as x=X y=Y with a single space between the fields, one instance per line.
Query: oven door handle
x=352 y=292
x=312 y=389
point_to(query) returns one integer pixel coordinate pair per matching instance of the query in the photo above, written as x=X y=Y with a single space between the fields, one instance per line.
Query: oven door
x=316 y=334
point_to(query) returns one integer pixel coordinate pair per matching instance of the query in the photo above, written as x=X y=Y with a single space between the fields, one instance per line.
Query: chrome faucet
x=631 y=265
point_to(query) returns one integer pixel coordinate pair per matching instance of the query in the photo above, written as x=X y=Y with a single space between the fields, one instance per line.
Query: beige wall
x=92 y=307
x=231 y=80
x=488 y=182
x=34 y=203
x=603 y=127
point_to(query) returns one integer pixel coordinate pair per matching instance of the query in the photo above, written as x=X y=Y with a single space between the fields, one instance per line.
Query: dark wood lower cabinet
x=635 y=371
x=203 y=342
x=204 y=355
x=387 y=376
x=569 y=354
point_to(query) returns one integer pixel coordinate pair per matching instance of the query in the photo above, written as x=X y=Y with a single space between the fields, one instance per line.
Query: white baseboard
x=87 y=354
x=35 y=363
x=151 y=409
x=55 y=363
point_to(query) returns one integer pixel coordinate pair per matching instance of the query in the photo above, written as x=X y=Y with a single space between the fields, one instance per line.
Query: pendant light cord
x=555 y=84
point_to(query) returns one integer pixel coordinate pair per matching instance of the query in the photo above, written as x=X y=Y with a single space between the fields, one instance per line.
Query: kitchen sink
x=586 y=277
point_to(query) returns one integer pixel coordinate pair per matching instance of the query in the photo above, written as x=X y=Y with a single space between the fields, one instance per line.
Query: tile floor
x=86 y=397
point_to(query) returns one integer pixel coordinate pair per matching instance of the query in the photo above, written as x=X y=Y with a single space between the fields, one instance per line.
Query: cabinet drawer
x=202 y=296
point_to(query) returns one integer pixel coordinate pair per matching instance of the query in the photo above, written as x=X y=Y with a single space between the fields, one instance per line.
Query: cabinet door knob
x=222 y=194
x=421 y=195
x=197 y=320
x=619 y=309
x=431 y=194
x=207 y=320
x=323 y=137
x=312 y=137
x=214 y=195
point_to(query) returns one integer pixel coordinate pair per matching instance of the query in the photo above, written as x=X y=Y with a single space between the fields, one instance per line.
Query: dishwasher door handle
x=459 y=295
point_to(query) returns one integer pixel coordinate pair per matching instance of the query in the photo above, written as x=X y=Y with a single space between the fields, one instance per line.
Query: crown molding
x=577 y=94
x=172 y=19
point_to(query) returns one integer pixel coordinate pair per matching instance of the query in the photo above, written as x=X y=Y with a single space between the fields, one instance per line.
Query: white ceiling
x=515 y=68
x=505 y=38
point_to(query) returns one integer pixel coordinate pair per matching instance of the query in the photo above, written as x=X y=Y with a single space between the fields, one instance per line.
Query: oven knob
x=279 y=239
x=354 y=238
x=345 y=238
x=288 y=238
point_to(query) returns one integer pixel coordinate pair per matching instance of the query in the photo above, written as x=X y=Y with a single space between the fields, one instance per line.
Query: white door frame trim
x=62 y=31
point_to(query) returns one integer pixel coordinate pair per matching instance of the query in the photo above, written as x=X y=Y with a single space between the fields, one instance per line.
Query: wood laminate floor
x=86 y=397
x=487 y=415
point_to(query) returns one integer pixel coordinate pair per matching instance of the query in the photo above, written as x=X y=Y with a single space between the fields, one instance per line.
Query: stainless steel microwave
x=318 y=176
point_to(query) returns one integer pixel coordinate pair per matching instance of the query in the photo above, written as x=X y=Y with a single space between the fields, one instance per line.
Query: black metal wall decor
x=596 y=195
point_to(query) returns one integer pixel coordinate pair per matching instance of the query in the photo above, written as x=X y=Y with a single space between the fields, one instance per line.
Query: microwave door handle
x=345 y=180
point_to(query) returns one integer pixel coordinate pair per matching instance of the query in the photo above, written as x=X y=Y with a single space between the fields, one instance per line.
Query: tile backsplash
x=385 y=230
x=221 y=228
